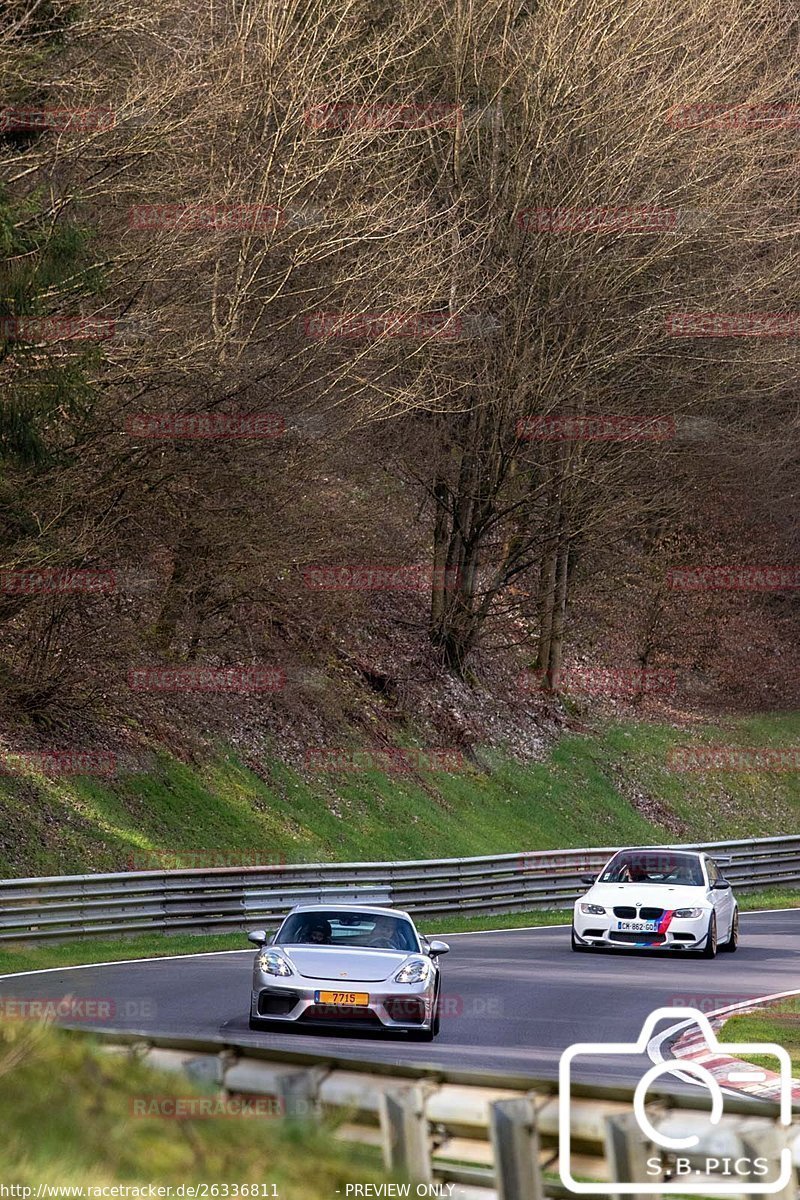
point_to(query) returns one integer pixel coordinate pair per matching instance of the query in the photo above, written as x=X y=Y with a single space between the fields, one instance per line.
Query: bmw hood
x=649 y=895
x=348 y=966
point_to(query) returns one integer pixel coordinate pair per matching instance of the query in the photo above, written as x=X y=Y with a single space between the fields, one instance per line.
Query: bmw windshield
x=656 y=866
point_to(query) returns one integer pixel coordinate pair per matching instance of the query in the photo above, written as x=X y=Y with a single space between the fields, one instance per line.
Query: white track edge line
x=123 y=962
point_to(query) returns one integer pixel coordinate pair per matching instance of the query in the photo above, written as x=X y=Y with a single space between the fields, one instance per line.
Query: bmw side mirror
x=588 y=879
x=258 y=937
x=720 y=885
x=436 y=948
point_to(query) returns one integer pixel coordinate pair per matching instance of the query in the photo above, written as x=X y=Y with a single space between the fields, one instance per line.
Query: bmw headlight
x=416 y=971
x=688 y=912
x=593 y=909
x=273 y=964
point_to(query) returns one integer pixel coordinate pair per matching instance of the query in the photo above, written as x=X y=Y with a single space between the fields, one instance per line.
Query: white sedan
x=657 y=898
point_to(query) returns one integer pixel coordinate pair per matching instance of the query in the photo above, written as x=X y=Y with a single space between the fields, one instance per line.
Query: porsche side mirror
x=437 y=948
x=721 y=885
x=588 y=879
x=258 y=937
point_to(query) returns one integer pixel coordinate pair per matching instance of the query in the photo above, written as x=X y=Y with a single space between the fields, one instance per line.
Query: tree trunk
x=559 y=614
x=547 y=595
x=174 y=603
x=439 y=583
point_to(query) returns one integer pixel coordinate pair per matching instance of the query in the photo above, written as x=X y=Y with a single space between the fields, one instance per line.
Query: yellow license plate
x=356 y=999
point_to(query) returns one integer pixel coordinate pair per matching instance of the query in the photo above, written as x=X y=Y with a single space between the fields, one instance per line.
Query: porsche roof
x=335 y=906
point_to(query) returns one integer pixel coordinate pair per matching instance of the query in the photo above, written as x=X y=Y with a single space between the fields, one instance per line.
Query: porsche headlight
x=416 y=971
x=594 y=909
x=273 y=964
x=688 y=912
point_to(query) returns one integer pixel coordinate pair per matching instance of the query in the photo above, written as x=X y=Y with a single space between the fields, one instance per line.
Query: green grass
x=581 y=794
x=520 y=920
x=779 y=1023
x=774 y=898
x=67 y=1117
x=31 y=956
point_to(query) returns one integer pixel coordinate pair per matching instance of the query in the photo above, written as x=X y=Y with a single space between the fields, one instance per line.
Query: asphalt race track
x=513 y=1000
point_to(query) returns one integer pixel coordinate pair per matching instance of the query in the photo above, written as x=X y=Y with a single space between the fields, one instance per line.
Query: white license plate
x=638 y=926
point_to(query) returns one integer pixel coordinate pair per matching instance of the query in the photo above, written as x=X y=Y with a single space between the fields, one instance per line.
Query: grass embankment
x=31 y=956
x=68 y=1115
x=609 y=787
x=779 y=1023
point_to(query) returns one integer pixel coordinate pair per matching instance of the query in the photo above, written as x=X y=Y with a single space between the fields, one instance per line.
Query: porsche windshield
x=369 y=931
x=654 y=866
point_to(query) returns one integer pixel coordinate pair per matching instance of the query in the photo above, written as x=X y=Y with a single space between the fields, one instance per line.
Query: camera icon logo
x=749 y=1176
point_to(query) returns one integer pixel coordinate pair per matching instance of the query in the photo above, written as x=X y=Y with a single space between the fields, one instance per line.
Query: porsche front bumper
x=297 y=1000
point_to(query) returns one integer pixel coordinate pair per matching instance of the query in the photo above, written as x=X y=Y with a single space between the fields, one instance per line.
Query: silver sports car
x=349 y=966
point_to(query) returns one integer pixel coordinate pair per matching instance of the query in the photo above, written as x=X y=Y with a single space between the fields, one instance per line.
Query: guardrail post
x=627 y=1152
x=770 y=1142
x=515 y=1139
x=406 y=1140
x=297 y=1094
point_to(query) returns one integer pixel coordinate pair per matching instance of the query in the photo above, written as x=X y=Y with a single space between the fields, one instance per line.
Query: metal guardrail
x=227 y=899
x=490 y=1137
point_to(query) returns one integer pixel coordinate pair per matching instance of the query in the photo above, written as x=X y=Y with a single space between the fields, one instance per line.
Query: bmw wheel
x=710 y=948
x=733 y=938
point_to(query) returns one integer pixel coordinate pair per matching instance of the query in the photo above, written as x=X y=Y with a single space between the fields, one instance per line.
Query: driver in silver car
x=318 y=932
x=386 y=935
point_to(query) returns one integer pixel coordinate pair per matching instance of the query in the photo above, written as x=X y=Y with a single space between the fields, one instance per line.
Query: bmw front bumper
x=673 y=933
